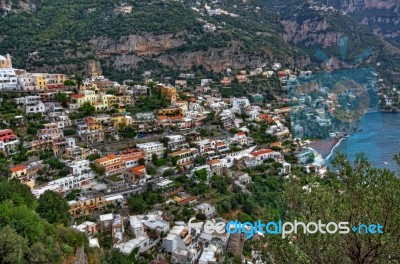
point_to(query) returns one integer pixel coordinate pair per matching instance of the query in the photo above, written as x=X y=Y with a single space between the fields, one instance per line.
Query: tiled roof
x=261 y=152
x=17 y=168
x=77 y=96
x=106 y=158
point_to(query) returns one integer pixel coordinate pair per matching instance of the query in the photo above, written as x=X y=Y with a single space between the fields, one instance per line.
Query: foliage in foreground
x=358 y=194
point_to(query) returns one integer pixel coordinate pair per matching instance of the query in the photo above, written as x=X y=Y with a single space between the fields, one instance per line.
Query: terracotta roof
x=4 y=131
x=187 y=200
x=17 y=168
x=77 y=96
x=162 y=117
x=214 y=161
x=220 y=144
x=276 y=144
x=136 y=157
x=241 y=133
x=261 y=152
x=138 y=170
x=107 y=158
x=176 y=117
x=179 y=152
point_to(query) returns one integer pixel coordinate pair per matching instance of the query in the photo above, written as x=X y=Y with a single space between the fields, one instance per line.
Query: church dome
x=2 y=58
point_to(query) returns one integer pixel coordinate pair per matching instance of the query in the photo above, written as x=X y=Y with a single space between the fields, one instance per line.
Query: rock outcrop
x=146 y=44
x=310 y=32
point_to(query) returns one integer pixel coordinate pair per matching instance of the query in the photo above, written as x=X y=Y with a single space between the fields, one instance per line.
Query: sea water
x=379 y=140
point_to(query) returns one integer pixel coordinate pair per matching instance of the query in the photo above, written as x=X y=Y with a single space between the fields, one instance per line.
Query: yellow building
x=98 y=100
x=169 y=92
x=55 y=79
x=5 y=62
x=121 y=120
x=118 y=100
x=94 y=124
x=171 y=111
x=40 y=81
x=86 y=205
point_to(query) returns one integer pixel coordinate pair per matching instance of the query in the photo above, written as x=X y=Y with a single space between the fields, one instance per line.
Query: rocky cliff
x=382 y=17
x=310 y=32
x=147 y=44
x=356 y=5
x=85 y=36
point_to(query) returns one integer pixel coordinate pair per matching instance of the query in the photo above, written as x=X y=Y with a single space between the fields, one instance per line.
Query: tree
x=87 y=108
x=358 y=194
x=12 y=246
x=165 y=141
x=79 y=80
x=152 y=170
x=142 y=161
x=201 y=217
x=168 y=173
x=19 y=194
x=53 y=207
x=39 y=253
x=136 y=204
x=69 y=83
x=154 y=158
x=243 y=217
x=200 y=160
x=62 y=98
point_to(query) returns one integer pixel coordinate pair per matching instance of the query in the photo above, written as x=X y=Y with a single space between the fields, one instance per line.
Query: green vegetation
x=127 y=132
x=25 y=237
x=358 y=193
x=53 y=208
x=62 y=98
x=139 y=203
x=87 y=109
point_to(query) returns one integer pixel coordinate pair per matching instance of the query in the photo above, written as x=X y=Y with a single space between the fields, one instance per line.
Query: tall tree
x=87 y=108
x=12 y=246
x=79 y=80
x=53 y=207
x=358 y=194
x=62 y=98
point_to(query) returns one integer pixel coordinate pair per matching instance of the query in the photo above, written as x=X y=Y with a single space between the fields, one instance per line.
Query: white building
x=8 y=78
x=151 y=148
x=79 y=167
x=206 y=209
x=127 y=247
x=27 y=100
x=61 y=185
x=176 y=142
x=8 y=141
x=35 y=108
x=240 y=103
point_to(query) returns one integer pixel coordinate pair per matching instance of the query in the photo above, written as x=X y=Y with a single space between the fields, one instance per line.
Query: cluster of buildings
x=183 y=242
x=105 y=179
x=14 y=79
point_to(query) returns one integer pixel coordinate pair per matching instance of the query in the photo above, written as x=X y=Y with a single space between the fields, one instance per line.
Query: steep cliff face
x=146 y=44
x=126 y=52
x=356 y=5
x=382 y=17
x=310 y=32
x=213 y=60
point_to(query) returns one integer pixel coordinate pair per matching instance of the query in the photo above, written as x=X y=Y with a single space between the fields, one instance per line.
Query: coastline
x=326 y=147
x=334 y=147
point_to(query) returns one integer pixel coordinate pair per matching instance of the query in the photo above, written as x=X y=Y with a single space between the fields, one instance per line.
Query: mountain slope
x=127 y=37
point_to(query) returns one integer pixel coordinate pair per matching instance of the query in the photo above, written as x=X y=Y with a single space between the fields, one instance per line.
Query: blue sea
x=379 y=139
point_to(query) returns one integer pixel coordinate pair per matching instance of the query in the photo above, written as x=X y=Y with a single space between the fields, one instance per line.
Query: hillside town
x=136 y=162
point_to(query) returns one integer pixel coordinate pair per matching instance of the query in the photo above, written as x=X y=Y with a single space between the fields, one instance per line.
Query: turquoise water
x=379 y=139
